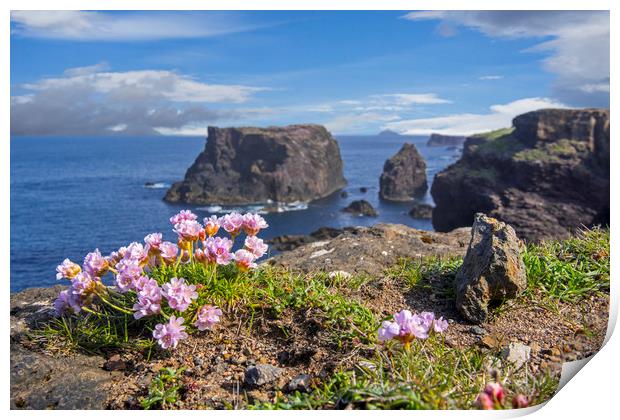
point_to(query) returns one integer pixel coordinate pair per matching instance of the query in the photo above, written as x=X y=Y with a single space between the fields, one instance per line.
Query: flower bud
x=484 y=401
x=520 y=401
x=495 y=391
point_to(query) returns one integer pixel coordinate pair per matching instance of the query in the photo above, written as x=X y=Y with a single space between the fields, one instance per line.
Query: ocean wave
x=156 y=185
x=270 y=207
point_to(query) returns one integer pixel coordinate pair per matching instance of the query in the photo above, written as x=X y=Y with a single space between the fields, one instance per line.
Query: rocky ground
x=258 y=358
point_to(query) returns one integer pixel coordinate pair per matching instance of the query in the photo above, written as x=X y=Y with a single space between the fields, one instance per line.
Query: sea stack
x=547 y=176
x=254 y=165
x=404 y=175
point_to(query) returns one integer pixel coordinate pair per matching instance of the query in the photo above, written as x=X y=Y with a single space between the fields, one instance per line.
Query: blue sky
x=142 y=73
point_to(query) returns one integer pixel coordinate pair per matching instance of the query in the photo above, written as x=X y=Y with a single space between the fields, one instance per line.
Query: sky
x=90 y=73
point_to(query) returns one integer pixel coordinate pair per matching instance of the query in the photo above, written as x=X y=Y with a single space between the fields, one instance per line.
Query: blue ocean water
x=70 y=195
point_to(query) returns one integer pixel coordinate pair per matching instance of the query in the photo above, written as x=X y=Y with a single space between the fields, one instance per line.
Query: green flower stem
x=118 y=308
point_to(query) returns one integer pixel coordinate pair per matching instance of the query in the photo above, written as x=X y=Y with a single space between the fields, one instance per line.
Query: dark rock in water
x=40 y=381
x=344 y=194
x=404 y=175
x=369 y=250
x=363 y=190
x=253 y=165
x=546 y=177
x=262 y=374
x=361 y=207
x=492 y=270
x=421 y=211
x=441 y=140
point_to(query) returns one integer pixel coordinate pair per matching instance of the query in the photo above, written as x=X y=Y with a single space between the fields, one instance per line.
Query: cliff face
x=404 y=175
x=547 y=176
x=440 y=140
x=253 y=165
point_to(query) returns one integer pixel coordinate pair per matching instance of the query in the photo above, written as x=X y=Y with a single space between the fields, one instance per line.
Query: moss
x=553 y=152
x=495 y=134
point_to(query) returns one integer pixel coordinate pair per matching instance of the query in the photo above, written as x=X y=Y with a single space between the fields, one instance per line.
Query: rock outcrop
x=492 y=270
x=404 y=175
x=361 y=208
x=547 y=176
x=255 y=165
x=421 y=211
x=441 y=140
x=41 y=381
x=370 y=249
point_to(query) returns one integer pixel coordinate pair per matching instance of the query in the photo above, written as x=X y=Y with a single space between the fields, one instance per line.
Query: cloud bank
x=78 y=25
x=577 y=44
x=93 y=101
x=499 y=116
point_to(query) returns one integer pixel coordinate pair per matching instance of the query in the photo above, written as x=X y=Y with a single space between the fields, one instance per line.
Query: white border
x=591 y=394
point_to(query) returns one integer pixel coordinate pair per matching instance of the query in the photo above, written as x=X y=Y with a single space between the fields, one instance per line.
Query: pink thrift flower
x=169 y=252
x=200 y=256
x=256 y=246
x=179 y=294
x=388 y=330
x=520 y=401
x=168 y=335
x=484 y=402
x=183 y=215
x=253 y=223
x=212 y=225
x=128 y=272
x=83 y=284
x=149 y=299
x=136 y=252
x=95 y=264
x=218 y=250
x=68 y=269
x=153 y=241
x=116 y=256
x=208 y=316
x=495 y=391
x=188 y=230
x=440 y=325
x=67 y=301
x=245 y=260
x=232 y=223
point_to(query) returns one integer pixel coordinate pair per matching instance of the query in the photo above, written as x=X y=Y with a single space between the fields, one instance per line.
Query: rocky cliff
x=404 y=175
x=441 y=140
x=254 y=165
x=547 y=176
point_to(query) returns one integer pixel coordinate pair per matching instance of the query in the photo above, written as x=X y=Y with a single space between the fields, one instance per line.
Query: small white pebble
x=321 y=252
x=339 y=273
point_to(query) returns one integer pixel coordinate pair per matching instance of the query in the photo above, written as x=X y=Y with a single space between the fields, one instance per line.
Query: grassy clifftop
x=325 y=326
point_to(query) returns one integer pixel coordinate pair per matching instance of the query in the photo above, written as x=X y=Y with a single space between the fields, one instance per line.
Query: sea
x=70 y=195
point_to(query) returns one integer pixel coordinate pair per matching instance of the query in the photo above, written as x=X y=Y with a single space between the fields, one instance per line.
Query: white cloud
x=577 y=44
x=406 y=99
x=89 y=101
x=123 y=26
x=468 y=123
x=358 y=122
x=491 y=77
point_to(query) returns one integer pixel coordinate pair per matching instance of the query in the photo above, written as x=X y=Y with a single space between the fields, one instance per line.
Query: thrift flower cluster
x=176 y=299
x=407 y=326
x=493 y=397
